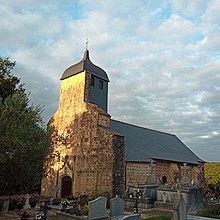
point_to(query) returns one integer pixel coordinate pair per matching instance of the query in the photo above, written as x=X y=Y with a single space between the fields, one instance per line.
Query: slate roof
x=145 y=145
x=85 y=65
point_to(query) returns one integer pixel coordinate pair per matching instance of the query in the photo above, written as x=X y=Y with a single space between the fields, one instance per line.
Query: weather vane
x=87 y=43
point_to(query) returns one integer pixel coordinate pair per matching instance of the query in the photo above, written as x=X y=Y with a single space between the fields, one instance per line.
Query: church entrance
x=66 y=187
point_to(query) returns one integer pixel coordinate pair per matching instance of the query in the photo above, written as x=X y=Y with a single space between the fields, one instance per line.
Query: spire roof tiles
x=85 y=65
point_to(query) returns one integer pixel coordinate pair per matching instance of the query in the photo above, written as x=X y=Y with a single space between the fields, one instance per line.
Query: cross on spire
x=87 y=43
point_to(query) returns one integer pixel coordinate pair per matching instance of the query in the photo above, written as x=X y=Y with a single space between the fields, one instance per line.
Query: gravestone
x=185 y=179
x=201 y=178
x=55 y=190
x=97 y=208
x=179 y=209
x=132 y=217
x=150 y=191
x=27 y=205
x=116 y=207
x=83 y=199
x=148 y=194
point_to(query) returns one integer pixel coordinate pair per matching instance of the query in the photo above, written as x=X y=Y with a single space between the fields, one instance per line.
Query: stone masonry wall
x=163 y=169
x=72 y=94
x=137 y=173
x=93 y=152
x=176 y=171
x=118 y=175
x=85 y=136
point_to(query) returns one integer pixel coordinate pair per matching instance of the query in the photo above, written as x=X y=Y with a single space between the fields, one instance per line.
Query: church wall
x=71 y=103
x=88 y=142
x=118 y=176
x=137 y=173
x=73 y=92
x=93 y=151
x=174 y=172
x=163 y=169
x=98 y=94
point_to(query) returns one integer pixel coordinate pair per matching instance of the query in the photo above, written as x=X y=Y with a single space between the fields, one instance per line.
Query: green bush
x=213 y=186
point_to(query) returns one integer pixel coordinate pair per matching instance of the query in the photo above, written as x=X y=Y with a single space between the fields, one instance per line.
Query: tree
x=9 y=84
x=23 y=139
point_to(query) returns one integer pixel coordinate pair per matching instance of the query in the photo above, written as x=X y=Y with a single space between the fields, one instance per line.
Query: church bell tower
x=90 y=158
x=98 y=88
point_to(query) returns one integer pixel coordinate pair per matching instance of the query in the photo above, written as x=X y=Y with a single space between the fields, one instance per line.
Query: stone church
x=90 y=152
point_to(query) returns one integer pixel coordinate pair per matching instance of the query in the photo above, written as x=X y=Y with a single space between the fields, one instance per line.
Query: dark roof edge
x=98 y=76
x=139 y=161
x=201 y=160
x=65 y=77
x=164 y=159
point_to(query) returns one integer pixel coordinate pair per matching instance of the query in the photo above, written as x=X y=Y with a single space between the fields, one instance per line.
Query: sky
x=162 y=58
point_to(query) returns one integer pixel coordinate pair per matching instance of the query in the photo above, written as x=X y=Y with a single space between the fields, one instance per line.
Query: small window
x=92 y=81
x=101 y=84
x=164 y=180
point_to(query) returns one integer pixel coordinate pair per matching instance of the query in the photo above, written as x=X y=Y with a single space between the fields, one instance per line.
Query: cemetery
x=139 y=202
x=180 y=201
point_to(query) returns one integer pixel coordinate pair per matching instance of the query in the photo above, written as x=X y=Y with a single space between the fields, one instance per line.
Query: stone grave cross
x=55 y=190
x=151 y=178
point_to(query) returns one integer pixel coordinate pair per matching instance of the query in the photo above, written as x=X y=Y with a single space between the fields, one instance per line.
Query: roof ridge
x=138 y=126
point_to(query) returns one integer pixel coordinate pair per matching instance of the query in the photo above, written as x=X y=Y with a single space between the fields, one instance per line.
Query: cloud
x=173 y=29
x=212 y=10
x=194 y=9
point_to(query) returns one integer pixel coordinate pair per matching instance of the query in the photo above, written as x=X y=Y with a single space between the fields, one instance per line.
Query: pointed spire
x=87 y=43
x=85 y=65
x=86 y=55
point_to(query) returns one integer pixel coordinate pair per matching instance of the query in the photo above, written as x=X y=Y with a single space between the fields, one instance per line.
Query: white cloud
x=190 y=8
x=212 y=11
x=174 y=30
